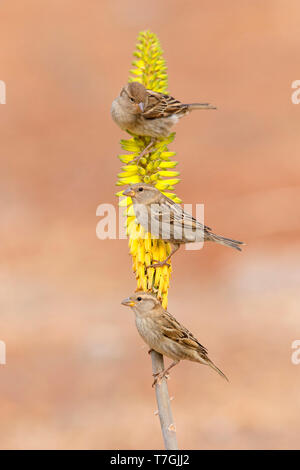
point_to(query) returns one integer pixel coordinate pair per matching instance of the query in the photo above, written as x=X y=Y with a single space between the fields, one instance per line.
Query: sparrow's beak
x=141 y=106
x=129 y=192
x=128 y=302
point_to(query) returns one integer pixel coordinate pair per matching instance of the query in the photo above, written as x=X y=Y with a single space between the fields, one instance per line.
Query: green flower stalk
x=156 y=168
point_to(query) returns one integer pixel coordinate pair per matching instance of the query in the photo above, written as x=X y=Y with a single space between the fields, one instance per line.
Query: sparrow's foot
x=159 y=264
x=150 y=351
x=144 y=152
x=159 y=376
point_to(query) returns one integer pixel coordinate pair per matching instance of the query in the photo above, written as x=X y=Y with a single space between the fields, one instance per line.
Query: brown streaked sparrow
x=166 y=220
x=149 y=113
x=164 y=334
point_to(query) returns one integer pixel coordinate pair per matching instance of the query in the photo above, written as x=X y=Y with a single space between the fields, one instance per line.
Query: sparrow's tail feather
x=214 y=367
x=193 y=106
x=204 y=359
x=226 y=241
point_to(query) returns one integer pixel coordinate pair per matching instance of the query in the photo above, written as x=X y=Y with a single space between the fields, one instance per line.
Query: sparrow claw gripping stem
x=159 y=376
x=144 y=152
x=158 y=264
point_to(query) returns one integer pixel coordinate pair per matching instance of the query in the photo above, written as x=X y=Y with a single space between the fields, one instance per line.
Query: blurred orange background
x=77 y=373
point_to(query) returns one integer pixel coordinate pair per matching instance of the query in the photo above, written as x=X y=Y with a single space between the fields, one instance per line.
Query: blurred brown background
x=77 y=373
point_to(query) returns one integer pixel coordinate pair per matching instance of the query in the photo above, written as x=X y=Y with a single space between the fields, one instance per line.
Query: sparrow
x=149 y=113
x=166 y=220
x=164 y=334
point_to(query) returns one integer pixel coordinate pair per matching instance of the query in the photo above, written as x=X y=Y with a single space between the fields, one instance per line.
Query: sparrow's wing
x=160 y=105
x=168 y=208
x=173 y=330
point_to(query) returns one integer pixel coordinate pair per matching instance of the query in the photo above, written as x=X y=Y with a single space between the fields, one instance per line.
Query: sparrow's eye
x=141 y=189
x=132 y=100
x=139 y=299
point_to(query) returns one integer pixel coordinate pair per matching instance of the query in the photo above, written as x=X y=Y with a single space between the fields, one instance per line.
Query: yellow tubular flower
x=156 y=168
